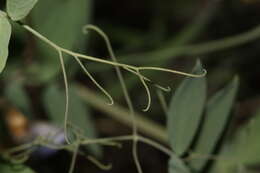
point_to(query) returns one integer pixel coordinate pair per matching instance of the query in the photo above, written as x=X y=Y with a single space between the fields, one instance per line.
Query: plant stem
x=162 y=101
x=121 y=114
x=200 y=48
x=129 y=138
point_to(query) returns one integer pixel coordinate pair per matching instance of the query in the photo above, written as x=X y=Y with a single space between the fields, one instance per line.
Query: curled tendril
x=148 y=93
x=133 y=69
x=126 y=95
x=116 y=64
x=136 y=70
x=166 y=89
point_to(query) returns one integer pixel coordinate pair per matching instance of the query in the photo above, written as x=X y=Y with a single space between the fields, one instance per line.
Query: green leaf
x=229 y=159
x=7 y=168
x=217 y=114
x=5 y=34
x=19 y=9
x=176 y=165
x=79 y=115
x=54 y=101
x=185 y=111
x=242 y=150
x=62 y=23
x=249 y=137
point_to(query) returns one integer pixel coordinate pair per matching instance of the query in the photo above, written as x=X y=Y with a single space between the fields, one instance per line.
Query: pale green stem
x=121 y=114
x=66 y=94
x=73 y=160
x=166 y=89
x=99 y=164
x=69 y=52
x=162 y=101
x=126 y=95
x=174 y=71
x=94 y=81
x=129 y=138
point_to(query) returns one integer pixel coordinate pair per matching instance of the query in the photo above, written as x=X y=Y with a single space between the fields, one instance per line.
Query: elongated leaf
x=5 y=34
x=54 y=101
x=19 y=9
x=249 y=136
x=217 y=114
x=176 y=165
x=62 y=23
x=7 y=168
x=185 y=111
x=242 y=150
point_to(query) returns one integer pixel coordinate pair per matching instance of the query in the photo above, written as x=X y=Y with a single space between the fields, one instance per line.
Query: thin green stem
x=94 y=81
x=113 y=62
x=69 y=52
x=66 y=95
x=126 y=95
x=166 y=89
x=20 y=148
x=107 y=139
x=203 y=48
x=135 y=153
x=204 y=72
x=155 y=145
x=99 y=164
x=122 y=115
x=134 y=69
x=73 y=160
x=162 y=101
x=77 y=143
x=148 y=94
x=129 y=138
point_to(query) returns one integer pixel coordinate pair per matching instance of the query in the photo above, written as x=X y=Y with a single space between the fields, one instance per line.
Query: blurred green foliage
x=7 y=168
x=78 y=115
x=223 y=34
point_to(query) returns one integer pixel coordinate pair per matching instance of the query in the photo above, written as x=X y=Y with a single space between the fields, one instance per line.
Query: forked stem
x=133 y=69
x=126 y=95
x=111 y=101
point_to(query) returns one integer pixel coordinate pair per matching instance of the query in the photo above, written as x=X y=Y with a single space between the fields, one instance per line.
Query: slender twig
x=94 y=81
x=162 y=101
x=121 y=114
x=126 y=95
x=134 y=69
x=73 y=160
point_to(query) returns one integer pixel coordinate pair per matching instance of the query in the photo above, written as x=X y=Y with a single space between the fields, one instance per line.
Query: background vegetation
x=224 y=35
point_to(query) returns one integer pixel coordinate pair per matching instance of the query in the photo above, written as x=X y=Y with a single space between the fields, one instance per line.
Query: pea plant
x=195 y=124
